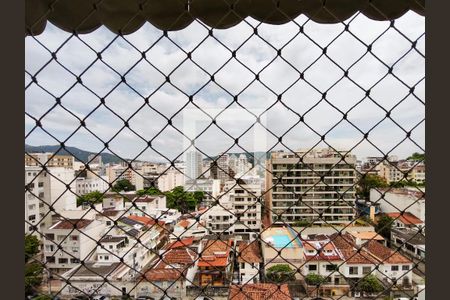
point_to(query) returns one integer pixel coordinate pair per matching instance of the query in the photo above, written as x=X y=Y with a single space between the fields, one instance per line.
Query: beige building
x=49 y=159
x=324 y=183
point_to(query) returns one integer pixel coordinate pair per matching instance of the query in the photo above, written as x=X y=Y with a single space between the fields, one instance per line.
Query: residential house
x=249 y=258
x=410 y=241
x=406 y=220
x=77 y=238
x=215 y=265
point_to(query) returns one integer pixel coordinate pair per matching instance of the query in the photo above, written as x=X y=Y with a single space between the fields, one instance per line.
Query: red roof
x=184 y=223
x=385 y=254
x=181 y=243
x=172 y=266
x=407 y=218
x=145 y=220
x=215 y=253
x=259 y=291
x=249 y=252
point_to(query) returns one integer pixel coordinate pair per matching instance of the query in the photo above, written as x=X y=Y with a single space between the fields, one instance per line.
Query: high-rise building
x=193 y=164
x=220 y=169
x=320 y=188
x=49 y=160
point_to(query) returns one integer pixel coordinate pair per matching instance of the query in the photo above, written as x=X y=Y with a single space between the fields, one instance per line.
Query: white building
x=189 y=228
x=245 y=200
x=45 y=190
x=249 y=259
x=77 y=245
x=146 y=205
x=210 y=188
x=193 y=165
x=170 y=179
x=88 y=185
x=396 y=200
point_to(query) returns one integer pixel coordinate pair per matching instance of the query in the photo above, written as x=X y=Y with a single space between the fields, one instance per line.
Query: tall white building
x=45 y=190
x=319 y=189
x=193 y=164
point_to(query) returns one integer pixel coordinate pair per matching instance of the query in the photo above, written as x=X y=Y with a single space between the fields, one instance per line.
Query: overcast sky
x=189 y=79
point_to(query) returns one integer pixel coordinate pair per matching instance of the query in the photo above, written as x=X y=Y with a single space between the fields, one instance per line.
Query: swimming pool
x=282 y=241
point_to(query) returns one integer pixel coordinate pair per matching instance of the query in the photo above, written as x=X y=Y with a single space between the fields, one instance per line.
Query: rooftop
x=385 y=254
x=112 y=239
x=146 y=198
x=367 y=235
x=259 y=291
x=148 y=221
x=70 y=223
x=215 y=253
x=407 y=218
x=249 y=252
x=413 y=237
x=181 y=243
x=95 y=269
x=172 y=266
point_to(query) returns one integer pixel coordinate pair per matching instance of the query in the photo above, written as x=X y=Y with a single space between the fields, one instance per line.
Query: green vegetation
x=370 y=284
x=177 y=198
x=123 y=185
x=92 y=197
x=370 y=181
x=406 y=183
x=280 y=273
x=314 y=279
x=384 y=226
x=417 y=156
x=33 y=269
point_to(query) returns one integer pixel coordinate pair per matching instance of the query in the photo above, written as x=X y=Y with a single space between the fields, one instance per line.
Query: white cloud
x=256 y=54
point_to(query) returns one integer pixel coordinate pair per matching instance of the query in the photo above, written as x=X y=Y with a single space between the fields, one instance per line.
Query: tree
x=370 y=181
x=280 y=273
x=179 y=199
x=31 y=246
x=123 y=185
x=417 y=157
x=92 y=197
x=384 y=226
x=199 y=196
x=33 y=270
x=370 y=284
x=33 y=276
x=150 y=191
x=314 y=279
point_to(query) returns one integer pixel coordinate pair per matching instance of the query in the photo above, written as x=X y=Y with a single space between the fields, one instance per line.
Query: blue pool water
x=282 y=241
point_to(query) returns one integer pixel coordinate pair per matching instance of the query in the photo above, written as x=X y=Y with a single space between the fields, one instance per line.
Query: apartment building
x=170 y=179
x=220 y=168
x=319 y=189
x=49 y=160
x=45 y=190
x=245 y=200
x=193 y=165
x=145 y=205
x=88 y=185
x=209 y=187
x=77 y=238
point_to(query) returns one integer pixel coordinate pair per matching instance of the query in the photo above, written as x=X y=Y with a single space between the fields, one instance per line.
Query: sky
x=255 y=54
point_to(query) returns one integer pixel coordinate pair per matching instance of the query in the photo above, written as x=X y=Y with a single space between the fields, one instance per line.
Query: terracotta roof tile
x=385 y=254
x=249 y=252
x=259 y=291
x=215 y=253
x=145 y=220
x=407 y=218
x=181 y=243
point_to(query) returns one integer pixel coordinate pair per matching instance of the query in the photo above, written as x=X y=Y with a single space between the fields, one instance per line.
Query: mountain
x=80 y=154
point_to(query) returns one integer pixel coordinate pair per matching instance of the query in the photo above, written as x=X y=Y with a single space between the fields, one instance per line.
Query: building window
x=50 y=236
x=394 y=268
x=111 y=246
x=74 y=261
x=353 y=270
x=63 y=260
x=108 y=223
x=331 y=267
x=74 y=237
x=312 y=267
x=50 y=259
x=405 y=268
x=106 y=257
x=366 y=270
x=40 y=184
x=32 y=218
x=74 y=249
